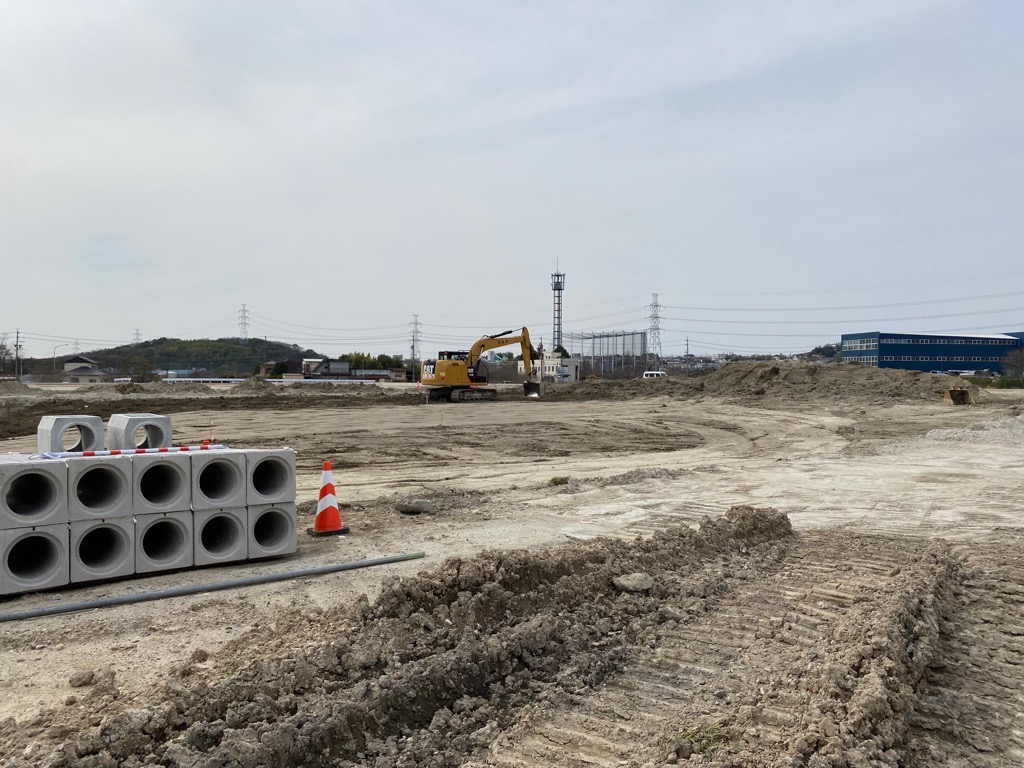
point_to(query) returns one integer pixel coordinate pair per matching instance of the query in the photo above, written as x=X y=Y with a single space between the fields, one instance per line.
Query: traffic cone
x=328 y=518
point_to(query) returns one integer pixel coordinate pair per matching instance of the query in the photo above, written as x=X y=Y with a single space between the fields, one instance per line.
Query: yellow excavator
x=457 y=376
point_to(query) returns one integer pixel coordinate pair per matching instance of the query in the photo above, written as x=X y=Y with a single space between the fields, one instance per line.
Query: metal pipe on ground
x=196 y=589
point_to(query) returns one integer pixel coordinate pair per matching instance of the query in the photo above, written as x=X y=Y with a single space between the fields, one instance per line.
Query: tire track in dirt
x=972 y=697
x=761 y=676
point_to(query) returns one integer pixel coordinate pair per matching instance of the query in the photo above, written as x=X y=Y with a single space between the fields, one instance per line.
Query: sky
x=777 y=174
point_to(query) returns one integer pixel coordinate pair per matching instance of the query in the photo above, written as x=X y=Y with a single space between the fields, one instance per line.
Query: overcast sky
x=337 y=167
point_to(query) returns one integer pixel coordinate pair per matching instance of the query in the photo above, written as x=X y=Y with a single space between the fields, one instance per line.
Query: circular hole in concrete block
x=270 y=476
x=140 y=437
x=220 y=534
x=272 y=528
x=102 y=547
x=160 y=483
x=218 y=480
x=33 y=558
x=30 y=493
x=163 y=540
x=99 y=487
x=71 y=439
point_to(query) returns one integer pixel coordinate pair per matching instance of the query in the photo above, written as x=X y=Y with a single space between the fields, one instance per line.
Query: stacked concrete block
x=271 y=475
x=164 y=541
x=53 y=433
x=102 y=549
x=218 y=480
x=127 y=431
x=162 y=505
x=33 y=524
x=102 y=527
x=34 y=558
x=138 y=508
x=32 y=493
x=220 y=535
x=272 y=530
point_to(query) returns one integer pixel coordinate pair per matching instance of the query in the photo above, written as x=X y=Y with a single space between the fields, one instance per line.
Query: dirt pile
x=1008 y=432
x=254 y=386
x=16 y=388
x=438 y=665
x=794 y=381
x=775 y=382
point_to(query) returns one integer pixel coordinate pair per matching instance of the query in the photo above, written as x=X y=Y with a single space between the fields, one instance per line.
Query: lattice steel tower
x=558 y=285
x=654 y=333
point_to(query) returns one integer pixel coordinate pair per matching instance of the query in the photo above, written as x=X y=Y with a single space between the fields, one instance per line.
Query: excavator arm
x=531 y=388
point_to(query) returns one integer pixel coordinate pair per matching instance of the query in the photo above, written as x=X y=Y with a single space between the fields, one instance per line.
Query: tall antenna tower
x=243 y=323
x=557 y=285
x=654 y=332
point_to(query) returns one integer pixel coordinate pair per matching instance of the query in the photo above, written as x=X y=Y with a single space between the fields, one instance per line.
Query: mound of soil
x=775 y=382
x=16 y=388
x=435 y=667
x=254 y=386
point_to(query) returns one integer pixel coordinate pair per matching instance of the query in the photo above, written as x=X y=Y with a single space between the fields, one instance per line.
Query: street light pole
x=55 y=361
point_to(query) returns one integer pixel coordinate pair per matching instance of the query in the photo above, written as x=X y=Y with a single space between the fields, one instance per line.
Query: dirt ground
x=776 y=565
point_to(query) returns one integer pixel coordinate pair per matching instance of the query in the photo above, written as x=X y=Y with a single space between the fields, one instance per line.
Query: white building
x=555 y=368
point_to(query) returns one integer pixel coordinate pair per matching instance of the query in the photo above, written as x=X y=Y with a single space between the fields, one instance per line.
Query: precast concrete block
x=127 y=431
x=56 y=434
x=220 y=535
x=34 y=558
x=273 y=530
x=32 y=493
x=99 y=487
x=218 y=479
x=164 y=541
x=102 y=549
x=161 y=482
x=271 y=475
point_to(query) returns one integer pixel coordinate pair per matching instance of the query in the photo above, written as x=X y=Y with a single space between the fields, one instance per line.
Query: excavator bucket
x=531 y=389
x=958 y=397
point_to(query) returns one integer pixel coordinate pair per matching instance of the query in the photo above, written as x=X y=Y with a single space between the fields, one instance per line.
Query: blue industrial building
x=930 y=351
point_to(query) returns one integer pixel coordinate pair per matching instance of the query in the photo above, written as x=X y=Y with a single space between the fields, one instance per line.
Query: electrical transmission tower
x=414 y=342
x=137 y=338
x=243 y=323
x=654 y=332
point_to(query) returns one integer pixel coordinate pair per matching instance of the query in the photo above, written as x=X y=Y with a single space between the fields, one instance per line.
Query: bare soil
x=776 y=565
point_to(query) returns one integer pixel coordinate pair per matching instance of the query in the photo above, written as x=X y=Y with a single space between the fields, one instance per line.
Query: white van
x=655 y=375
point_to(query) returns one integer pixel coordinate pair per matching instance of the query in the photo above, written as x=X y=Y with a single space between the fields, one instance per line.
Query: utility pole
x=17 y=354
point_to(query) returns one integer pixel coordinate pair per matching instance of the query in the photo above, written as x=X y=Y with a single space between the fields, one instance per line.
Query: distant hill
x=216 y=357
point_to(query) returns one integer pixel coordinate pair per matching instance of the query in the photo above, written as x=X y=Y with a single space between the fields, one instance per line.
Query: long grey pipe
x=196 y=589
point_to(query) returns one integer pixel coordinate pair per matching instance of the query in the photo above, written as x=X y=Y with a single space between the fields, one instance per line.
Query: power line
x=838 y=308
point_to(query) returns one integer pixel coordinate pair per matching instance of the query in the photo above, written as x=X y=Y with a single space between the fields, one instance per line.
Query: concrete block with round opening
x=271 y=475
x=273 y=530
x=218 y=479
x=161 y=482
x=128 y=431
x=34 y=558
x=163 y=542
x=99 y=487
x=33 y=493
x=220 y=536
x=102 y=549
x=56 y=434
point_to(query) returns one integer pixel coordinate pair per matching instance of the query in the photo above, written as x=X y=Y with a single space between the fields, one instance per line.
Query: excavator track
x=473 y=395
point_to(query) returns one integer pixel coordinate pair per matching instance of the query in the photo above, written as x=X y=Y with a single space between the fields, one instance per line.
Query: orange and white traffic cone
x=328 y=518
